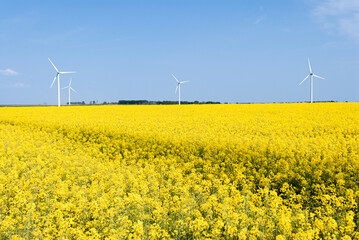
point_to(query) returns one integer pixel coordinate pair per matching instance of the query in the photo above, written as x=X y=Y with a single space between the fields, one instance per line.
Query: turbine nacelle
x=311 y=75
x=58 y=73
x=70 y=89
x=178 y=88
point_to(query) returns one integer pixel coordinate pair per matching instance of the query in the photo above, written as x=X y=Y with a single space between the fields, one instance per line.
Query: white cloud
x=19 y=85
x=9 y=84
x=258 y=20
x=8 y=72
x=261 y=17
x=341 y=16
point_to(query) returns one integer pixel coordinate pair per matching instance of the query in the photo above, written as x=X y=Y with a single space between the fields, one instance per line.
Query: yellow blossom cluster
x=236 y=171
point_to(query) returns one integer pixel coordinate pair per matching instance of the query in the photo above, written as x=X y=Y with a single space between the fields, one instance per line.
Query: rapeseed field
x=256 y=171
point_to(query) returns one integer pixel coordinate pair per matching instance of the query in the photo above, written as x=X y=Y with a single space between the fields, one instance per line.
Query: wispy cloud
x=9 y=84
x=258 y=20
x=19 y=85
x=341 y=16
x=8 y=72
x=261 y=17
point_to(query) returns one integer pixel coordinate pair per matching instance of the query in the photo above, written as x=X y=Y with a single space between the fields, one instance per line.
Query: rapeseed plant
x=259 y=171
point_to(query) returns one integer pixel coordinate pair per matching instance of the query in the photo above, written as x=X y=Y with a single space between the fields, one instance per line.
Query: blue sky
x=230 y=51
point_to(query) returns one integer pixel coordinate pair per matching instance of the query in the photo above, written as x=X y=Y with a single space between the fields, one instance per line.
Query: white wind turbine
x=311 y=75
x=70 y=89
x=179 y=89
x=58 y=82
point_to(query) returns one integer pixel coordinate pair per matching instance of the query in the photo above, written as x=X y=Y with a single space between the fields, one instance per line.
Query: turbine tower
x=179 y=88
x=58 y=82
x=311 y=75
x=70 y=89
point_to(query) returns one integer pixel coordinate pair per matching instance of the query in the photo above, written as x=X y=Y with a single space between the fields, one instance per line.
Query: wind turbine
x=179 y=88
x=70 y=89
x=58 y=81
x=311 y=75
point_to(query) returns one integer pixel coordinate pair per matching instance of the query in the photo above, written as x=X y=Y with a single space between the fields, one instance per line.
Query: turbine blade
x=318 y=76
x=65 y=87
x=53 y=65
x=53 y=81
x=66 y=72
x=175 y=78
x=73 y=89
x=184 y=81
x=70 y=82
x=310 y=68
x=304 y=79
x=176 y=89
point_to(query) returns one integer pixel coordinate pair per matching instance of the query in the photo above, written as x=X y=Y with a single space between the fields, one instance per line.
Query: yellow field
x=257 y=171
